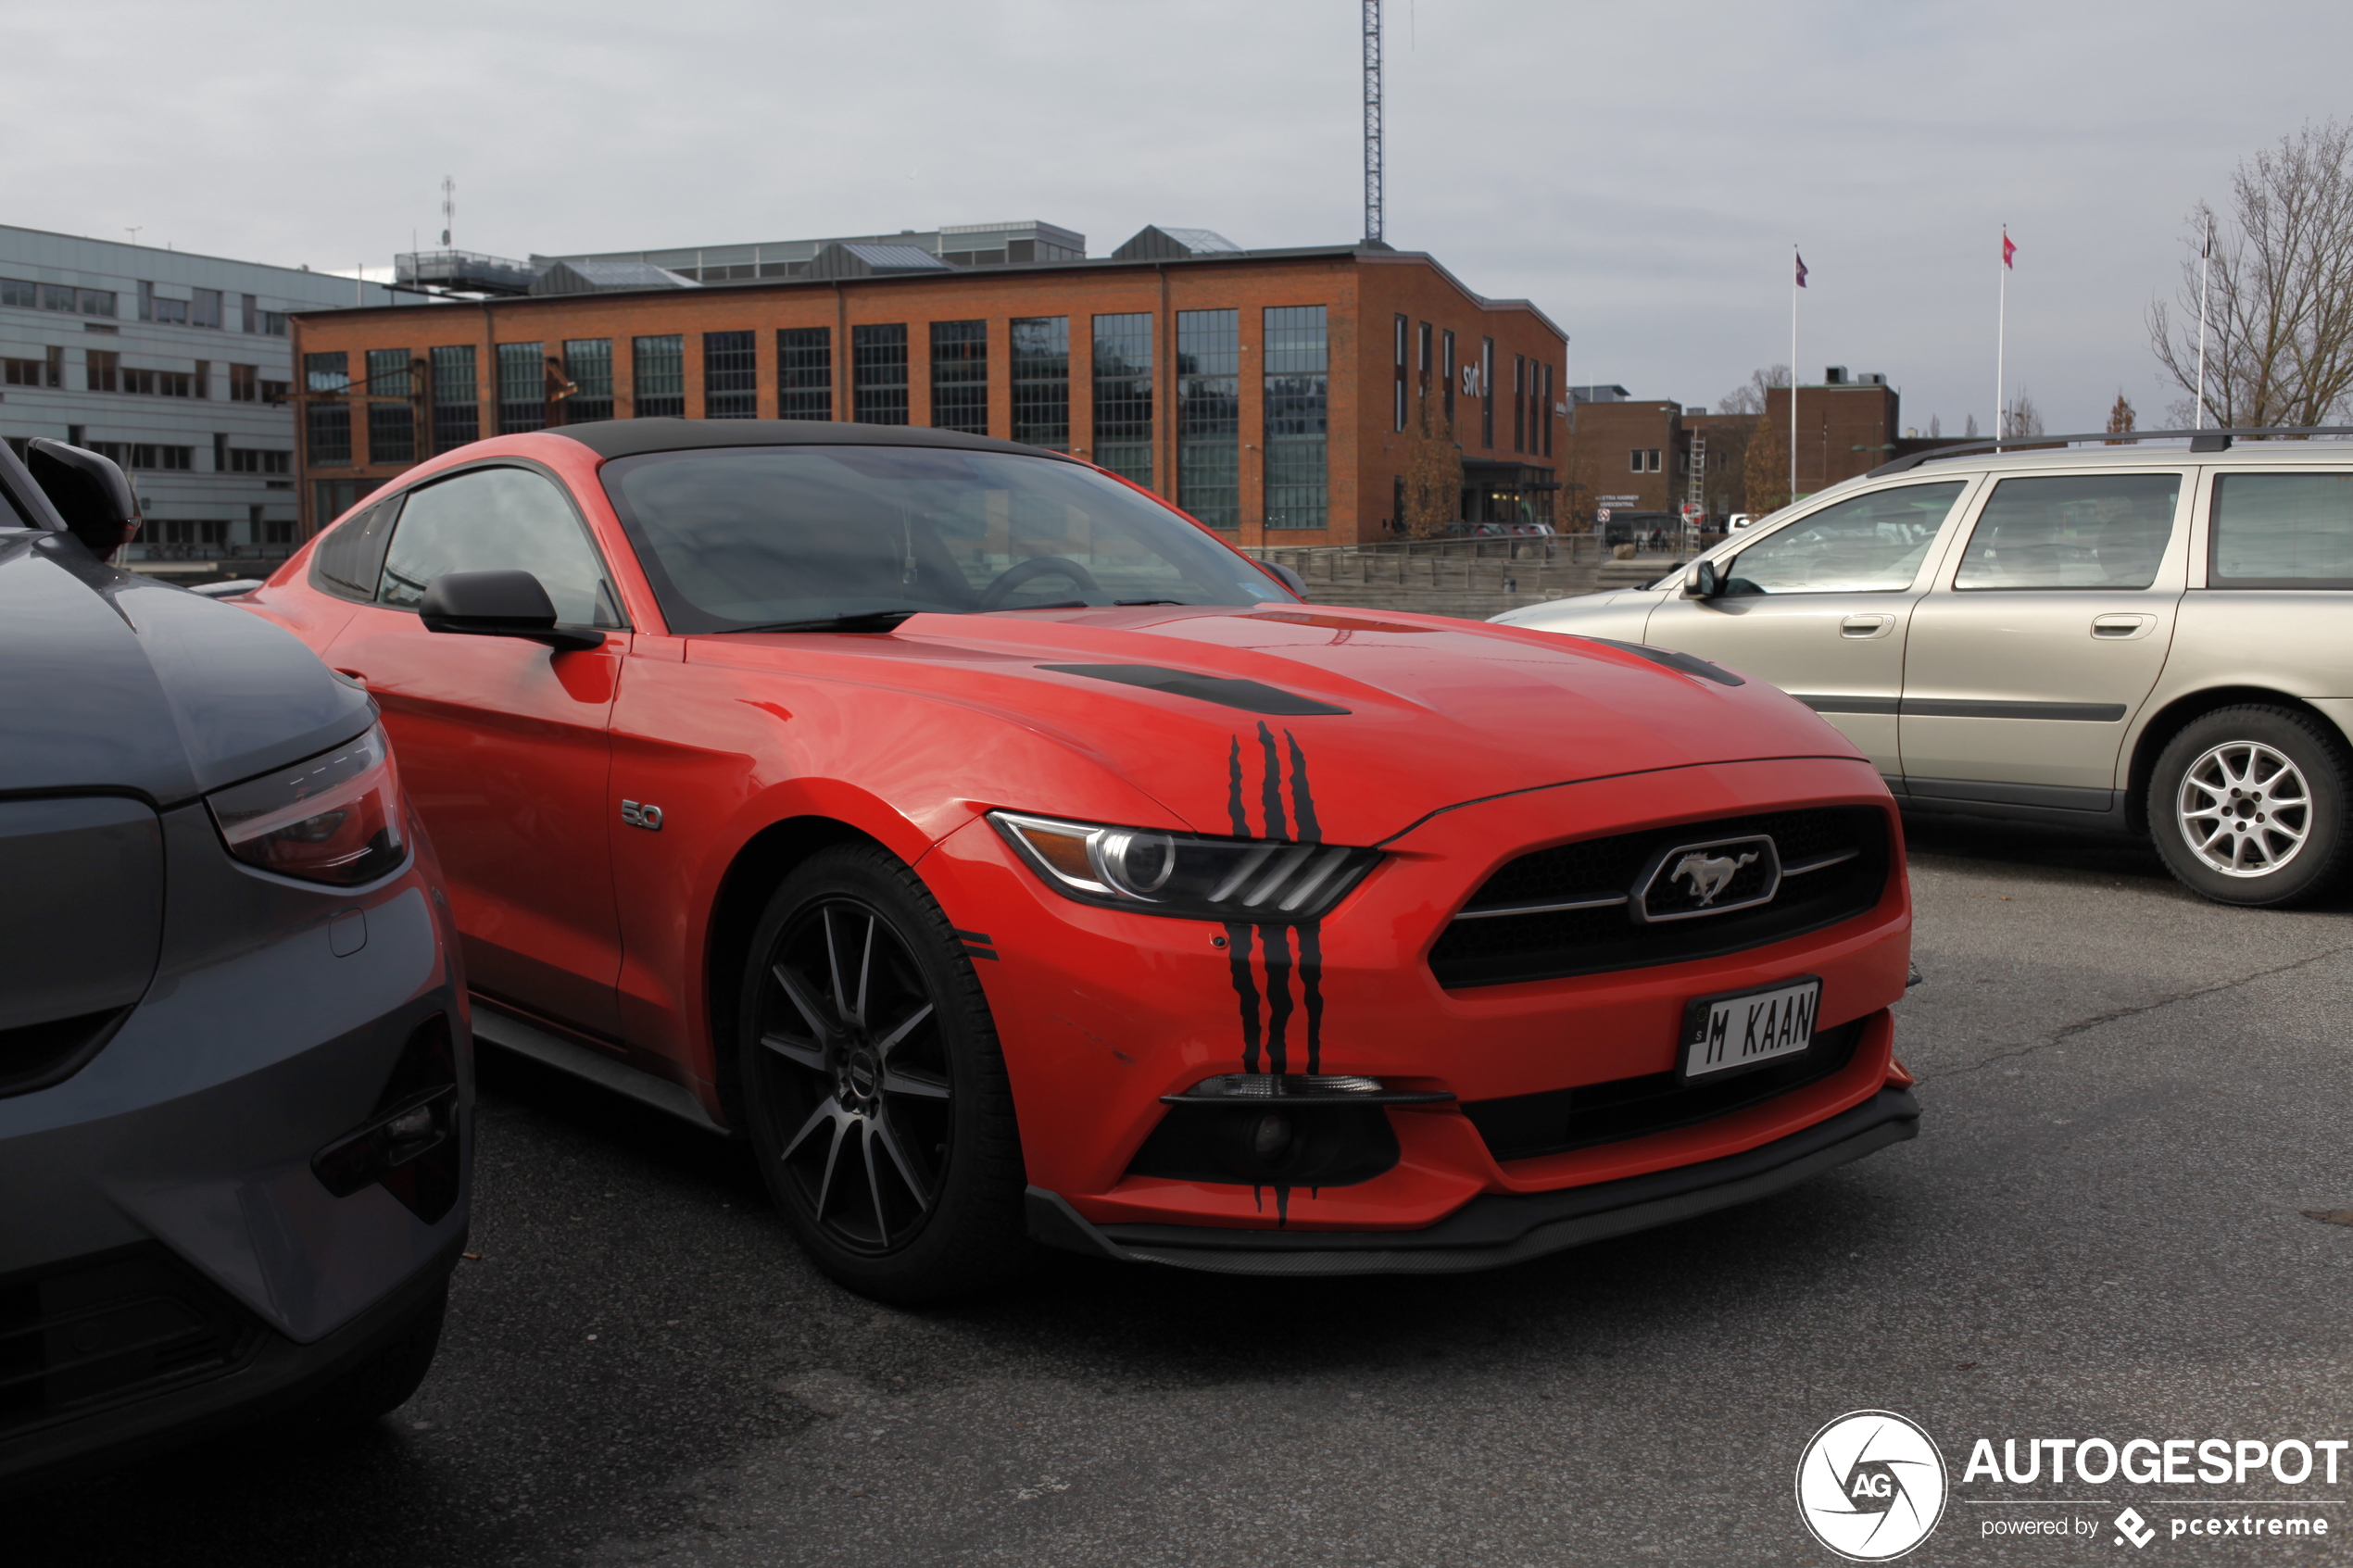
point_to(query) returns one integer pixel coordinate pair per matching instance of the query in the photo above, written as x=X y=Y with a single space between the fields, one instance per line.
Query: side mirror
x=498 y=604
x=1701 y=582
x=89 y=492
x=1286 y=576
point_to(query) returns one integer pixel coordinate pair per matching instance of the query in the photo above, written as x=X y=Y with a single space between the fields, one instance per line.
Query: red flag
x=1801 y=270
x=2008 y=250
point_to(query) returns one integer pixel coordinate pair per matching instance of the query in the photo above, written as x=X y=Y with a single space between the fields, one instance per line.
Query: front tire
x=874 y=1087
x=2247 y=805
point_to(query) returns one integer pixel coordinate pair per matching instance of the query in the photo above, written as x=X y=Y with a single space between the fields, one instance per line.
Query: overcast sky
x=1638 y=171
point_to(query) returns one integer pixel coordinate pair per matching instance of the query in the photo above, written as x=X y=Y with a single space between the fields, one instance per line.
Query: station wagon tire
x=874 y=1084
x=2247 y=805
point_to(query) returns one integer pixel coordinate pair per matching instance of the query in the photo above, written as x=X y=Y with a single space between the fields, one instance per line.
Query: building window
x=392 y=433
x=55 y=359
x=1486 y=392
x=276 y=392
x=101 y=370
x=456 y=409
x=244 y=383
x=25 y=372
x=249 y=317
x=273 y=322
x=388 y=373
x=1298 y=387
x=22 y=293
x=1544 y=410
x=959 y=376
x=1634 y=460
x=1209 y=416
x=245 y=459
x=1447 y=339
x=1397 y=400
x=1644 y=459
x=327 y=434
x=152 y=305
x=658 y=371
x=730 y=376
x=522 y=387
x=1423 y=367
x=1124 y=396
x=204 y=308
x=1041 y=382
x=203 y=378
x=805 y=372
x=588 y=366
x=1519 y=402
x=878 y=372
x=326 y=372
x=167 y=459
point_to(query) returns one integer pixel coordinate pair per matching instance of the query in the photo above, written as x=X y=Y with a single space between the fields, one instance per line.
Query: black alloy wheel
x=874 y=1083
x=2247 y=805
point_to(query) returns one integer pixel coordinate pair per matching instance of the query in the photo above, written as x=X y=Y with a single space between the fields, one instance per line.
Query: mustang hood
x=119 y=683
x=1390 y=717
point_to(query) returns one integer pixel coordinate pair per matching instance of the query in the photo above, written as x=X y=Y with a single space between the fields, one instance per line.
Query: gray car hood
x=116 y=682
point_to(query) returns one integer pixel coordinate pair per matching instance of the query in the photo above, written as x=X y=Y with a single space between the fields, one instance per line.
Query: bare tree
x=1969 y=431
x=2279 y=345
x=1433 y=474
x=1767 y=475
x=2021 y=417
x=1749 y=397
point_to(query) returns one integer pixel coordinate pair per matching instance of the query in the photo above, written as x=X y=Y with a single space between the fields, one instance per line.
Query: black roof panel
x=627 y=438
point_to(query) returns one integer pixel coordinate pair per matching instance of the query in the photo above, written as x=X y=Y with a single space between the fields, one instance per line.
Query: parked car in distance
x=1739 y=521
x=2137 y=638
x=234 y=1073
x=1004 y=854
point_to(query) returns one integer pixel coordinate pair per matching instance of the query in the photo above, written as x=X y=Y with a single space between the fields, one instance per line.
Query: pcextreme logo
x=1870 y=1485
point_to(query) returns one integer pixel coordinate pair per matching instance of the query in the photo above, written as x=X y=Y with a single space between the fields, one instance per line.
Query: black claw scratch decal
x=1269 y=1031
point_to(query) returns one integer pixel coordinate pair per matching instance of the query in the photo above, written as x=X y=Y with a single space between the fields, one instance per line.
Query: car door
x=2037 y=646
x=503 y=743
x=1822 y=606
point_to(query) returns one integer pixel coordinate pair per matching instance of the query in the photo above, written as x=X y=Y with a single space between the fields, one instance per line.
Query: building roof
x=874 y=261
x=1153 y=243
x=604 y=276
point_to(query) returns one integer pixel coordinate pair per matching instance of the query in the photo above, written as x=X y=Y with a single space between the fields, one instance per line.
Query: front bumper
x=183 y=1147
x=1496 y=1228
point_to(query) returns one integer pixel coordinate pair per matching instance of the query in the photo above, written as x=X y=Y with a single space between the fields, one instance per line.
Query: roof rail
x=2199 y=440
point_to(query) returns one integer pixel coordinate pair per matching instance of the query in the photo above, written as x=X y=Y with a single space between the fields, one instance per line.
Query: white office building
x=179 y=367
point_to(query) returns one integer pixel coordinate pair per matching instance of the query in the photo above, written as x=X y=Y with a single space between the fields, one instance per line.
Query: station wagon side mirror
x=97 y=503
x=498 y=604
x=1701 y=582
x=1284 y=575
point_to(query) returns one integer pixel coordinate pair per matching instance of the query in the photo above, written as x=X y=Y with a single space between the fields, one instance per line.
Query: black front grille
x=1523 y=1126
x=99 y=1330
x=1500 y=950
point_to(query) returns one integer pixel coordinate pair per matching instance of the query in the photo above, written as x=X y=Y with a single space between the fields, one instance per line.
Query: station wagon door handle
x=2121 y=628
x=1863 y=626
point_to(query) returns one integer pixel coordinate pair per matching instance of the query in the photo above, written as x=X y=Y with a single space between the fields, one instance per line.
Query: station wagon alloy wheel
x=2244 y=808
x=853 y=1028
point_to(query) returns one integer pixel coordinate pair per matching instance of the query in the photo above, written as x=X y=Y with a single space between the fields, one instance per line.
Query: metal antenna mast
x=448 y=209
x=1373 y=178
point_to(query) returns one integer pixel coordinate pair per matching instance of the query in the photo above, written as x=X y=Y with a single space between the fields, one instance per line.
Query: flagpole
x=2001 y=334
x=2205 y=267
x=1794 y=264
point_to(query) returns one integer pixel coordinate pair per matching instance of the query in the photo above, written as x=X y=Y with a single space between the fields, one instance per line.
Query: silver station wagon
x=2147 y=639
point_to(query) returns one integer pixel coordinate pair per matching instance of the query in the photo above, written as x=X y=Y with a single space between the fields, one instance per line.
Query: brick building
x=1273 y=394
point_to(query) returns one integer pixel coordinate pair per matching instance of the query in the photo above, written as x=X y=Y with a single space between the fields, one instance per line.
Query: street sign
x=1601 y=516
x=1693 y=511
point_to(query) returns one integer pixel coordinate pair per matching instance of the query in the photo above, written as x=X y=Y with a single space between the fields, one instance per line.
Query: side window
x=2080 y=531
x=492 y=519
x=1873 y=544
x=2282 y=530
x=351 y=557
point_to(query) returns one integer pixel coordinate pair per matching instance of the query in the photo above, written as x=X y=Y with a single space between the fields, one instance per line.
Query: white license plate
x=1747 y=1028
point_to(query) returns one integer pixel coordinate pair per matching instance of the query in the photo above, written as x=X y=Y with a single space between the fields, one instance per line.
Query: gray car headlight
x=1263 y=882
x=333 y=818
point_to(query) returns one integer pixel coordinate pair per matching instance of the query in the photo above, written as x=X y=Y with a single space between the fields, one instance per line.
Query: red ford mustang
x=1009 y=858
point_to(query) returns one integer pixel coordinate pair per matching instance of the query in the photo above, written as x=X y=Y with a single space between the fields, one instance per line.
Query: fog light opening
x=1270 y=1138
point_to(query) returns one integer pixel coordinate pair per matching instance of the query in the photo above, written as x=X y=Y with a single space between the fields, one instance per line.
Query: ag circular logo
x=1870 y=1485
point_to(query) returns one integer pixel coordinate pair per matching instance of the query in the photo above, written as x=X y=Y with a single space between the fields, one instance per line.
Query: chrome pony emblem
x=1710 y=874
x=1711 y=877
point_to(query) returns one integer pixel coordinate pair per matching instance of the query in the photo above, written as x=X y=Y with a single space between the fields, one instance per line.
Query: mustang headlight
x=1252 y=880
x=333 y=818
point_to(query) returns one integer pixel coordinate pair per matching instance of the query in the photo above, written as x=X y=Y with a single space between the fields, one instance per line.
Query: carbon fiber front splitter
x=1495 y=1228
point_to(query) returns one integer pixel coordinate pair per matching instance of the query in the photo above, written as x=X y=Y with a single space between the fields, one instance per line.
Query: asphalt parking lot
x=2131 y=1097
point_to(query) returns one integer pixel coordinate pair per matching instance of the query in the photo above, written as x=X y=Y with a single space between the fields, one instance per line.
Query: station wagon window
x=2077 y=531
x=1873 y=544
x=488 y=520
x=2282 y=530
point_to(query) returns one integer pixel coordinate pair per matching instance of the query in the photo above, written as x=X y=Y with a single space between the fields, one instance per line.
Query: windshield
x=737 y=537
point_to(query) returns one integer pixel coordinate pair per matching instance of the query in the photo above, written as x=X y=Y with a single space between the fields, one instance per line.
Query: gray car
x=2142 y=639
x=235 y=1080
